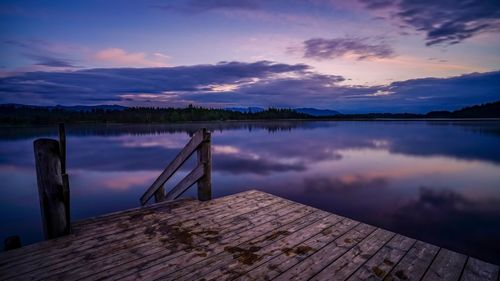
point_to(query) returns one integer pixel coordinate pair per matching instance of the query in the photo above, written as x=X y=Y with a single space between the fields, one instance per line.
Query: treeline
x=32 y=115
x=488 y=110
x=16 y=114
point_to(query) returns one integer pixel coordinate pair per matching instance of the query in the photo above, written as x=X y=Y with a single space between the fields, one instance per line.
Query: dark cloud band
x=261 y=84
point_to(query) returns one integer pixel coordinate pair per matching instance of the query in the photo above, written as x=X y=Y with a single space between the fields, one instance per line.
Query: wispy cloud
x=198 y=6
x=357 y=48
x=43 y=53
x=444 y=22
x=120 y=57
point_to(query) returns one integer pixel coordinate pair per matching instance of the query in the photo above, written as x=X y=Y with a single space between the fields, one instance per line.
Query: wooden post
x=160 y=194
x=62 y=147
x=54 y=203
x=205 y=158
x=12 y=242
x=65 y=178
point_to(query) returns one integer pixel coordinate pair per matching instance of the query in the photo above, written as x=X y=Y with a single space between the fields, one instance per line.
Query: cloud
x=120 y=57
x=197 y=6
x=444 y=22
x=262 y=83
x=358 y=48
x=43 y=53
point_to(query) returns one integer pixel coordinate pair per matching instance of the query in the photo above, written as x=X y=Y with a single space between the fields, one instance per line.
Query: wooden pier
x=246 y=236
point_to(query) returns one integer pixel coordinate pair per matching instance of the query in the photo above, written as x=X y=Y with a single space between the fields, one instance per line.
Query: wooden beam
x=185 y=153
x=185 y=183
x=205 y=159
x=62 y=147
x=53 y=200
x=160 y=194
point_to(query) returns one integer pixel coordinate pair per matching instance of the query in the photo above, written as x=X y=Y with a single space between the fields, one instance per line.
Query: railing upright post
x=160 y=194
x=205 y=158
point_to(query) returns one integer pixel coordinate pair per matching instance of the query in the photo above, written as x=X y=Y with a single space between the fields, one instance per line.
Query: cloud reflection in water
x=405 y=176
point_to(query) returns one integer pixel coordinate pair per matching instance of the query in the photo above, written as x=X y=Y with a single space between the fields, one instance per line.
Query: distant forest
x=29 y=115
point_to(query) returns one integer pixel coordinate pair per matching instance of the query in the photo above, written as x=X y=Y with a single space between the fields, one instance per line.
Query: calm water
x=435 y=181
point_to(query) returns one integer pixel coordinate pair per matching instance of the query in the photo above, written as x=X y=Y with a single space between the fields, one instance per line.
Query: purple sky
x=352 y=56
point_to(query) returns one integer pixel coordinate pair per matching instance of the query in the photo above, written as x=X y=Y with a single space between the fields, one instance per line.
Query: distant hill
x=487 y=110
x=317 y=112
x=84 y=108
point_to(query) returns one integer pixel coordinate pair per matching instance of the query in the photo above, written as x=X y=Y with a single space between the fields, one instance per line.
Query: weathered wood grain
x=447 y=266
x=185 y=183
x=98 y=227
x=62 y=147
x=126 y=240
x=177 y=239
x=164 y=263
x=294 y=255
x=309 y=267
x=205 y=159
x=377 y=267
x=477 y=270
x=243 y=246
x=349 y=262
x=124 y=233
x=183 y=155
x=53 y=199
x=414 y=263
x=160 y=194
x=246 y=236
x=236 y=260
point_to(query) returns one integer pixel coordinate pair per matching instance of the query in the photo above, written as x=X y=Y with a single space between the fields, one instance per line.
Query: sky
x=352 y=56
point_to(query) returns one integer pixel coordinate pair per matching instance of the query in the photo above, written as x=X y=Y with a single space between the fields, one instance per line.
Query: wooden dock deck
x=246 y=236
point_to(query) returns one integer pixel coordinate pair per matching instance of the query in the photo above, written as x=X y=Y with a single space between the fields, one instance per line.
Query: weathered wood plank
x=349 y=262
x=377 y=267
x=167 y=241
x=185 y=183
x=165 y=262
x=160 y=194
x=326 y=255
x=302 y=251
x=237 y=260
x=270 y=234
x=414 y=263
x=446 y=266
x=98 y=227
x=53 y=204
x=205 y=159
x=254 y=236
x=134 y=235
x=183 y=155
x=104 y=219
x=62 y=147
x=60 y=260
x=477 y=270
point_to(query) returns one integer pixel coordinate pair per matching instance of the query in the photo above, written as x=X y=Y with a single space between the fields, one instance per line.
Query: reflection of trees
x=153 y=129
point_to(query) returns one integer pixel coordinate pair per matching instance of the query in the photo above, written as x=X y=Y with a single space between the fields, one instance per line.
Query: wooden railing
x=200 y=142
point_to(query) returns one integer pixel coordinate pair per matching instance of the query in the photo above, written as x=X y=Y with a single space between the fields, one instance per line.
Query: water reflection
x=436 y=181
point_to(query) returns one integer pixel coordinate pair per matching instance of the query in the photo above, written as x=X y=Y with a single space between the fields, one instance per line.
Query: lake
x=437 y=181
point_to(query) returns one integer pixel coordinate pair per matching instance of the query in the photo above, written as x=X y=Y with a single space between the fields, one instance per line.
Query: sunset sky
x=351 y=56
